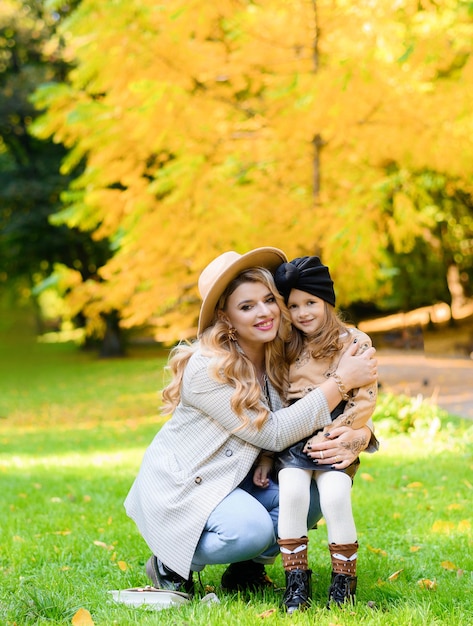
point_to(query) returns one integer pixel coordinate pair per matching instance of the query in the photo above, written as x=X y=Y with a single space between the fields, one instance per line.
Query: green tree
x=31 y=53
x=422 y=261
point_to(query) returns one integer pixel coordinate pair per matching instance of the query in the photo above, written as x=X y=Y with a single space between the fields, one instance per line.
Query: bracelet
x=341 y=386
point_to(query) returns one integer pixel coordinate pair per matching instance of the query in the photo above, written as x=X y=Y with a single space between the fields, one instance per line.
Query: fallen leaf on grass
x=367 y=477
x=414 y=485
x=448 y=565
x=395 y=575
x=122 y=565
x=82 y=618
x=377 y=551
x=441 y=526
x=414 y=548
x=267 y=613
x=101 y=544
x=426 y=583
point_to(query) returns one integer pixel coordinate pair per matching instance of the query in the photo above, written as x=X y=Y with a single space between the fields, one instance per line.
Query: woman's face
x=307 y=311
x=254 y=313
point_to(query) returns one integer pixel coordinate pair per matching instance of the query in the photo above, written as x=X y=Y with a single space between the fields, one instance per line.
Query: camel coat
x=198 y=457
x=306 y=373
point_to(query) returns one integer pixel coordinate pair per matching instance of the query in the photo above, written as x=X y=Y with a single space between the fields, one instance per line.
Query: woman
x=190 y=500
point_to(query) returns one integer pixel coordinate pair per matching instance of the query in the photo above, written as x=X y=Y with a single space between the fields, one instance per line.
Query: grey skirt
x=293 y=456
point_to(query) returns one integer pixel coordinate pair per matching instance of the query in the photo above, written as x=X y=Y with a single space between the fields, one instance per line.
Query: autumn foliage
x=206 y=126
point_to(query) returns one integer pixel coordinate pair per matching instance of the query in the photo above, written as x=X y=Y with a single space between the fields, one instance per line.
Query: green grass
x=73 y=429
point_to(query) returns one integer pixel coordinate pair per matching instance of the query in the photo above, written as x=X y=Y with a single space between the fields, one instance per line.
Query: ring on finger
x=337 y=459
x=321 y=454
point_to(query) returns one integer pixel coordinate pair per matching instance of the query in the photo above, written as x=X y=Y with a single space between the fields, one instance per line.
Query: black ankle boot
x=164 y=578
x=298 y=590
x=245 y=575
x=342 y=589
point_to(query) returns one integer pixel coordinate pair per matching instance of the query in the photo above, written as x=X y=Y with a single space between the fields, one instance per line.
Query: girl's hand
x=261 y=476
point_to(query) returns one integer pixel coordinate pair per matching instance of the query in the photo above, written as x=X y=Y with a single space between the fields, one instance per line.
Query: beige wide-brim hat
x=220 y=272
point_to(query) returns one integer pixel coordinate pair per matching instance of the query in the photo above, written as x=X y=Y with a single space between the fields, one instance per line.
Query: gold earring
x=232 y=334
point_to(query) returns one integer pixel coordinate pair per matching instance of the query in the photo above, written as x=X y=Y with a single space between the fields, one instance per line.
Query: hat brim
x=269 y=258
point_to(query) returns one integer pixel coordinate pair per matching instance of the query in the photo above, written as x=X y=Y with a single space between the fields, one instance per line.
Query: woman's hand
x=357 y=371
x=341 y=446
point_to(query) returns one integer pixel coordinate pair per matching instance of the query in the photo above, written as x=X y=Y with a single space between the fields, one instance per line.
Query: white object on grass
x=151 y=597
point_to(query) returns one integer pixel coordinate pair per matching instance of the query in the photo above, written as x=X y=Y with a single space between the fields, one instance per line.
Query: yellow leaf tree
x=203 y=127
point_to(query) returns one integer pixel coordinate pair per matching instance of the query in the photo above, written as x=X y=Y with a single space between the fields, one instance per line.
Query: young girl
x=318 y=341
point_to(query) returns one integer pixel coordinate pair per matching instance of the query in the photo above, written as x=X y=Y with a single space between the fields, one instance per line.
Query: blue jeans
x=245 y=525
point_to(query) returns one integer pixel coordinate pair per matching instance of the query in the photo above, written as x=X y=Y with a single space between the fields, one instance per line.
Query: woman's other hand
x=357 y=370
x=340 y=447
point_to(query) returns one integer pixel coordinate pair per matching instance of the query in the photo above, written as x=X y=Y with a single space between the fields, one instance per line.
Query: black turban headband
x=308 y=274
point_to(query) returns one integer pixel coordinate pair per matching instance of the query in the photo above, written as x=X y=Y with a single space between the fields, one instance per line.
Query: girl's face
x=307 y=311
x=253 y=311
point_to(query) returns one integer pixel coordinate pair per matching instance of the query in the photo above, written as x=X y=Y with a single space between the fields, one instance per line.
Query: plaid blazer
x=199 y=456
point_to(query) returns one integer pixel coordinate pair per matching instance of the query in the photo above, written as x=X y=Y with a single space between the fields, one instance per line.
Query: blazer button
x=198 y=480
x=228 y=453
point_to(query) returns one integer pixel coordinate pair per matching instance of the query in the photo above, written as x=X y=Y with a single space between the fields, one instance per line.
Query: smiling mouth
x=266 y=325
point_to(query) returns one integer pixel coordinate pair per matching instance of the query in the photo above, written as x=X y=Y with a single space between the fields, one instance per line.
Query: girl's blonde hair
x=228 y=364
x=324 y=343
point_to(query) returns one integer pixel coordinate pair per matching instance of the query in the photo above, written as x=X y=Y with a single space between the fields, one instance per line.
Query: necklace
x=263 y=382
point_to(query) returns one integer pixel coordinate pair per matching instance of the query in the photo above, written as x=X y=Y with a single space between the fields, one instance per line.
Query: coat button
x=228 y=453
x=198 y=480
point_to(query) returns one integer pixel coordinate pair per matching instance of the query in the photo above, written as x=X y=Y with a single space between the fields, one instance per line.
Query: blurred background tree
x=185 y=129
x=31 y=53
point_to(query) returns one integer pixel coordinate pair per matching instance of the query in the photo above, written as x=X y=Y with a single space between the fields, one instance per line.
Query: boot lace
x=340 y=589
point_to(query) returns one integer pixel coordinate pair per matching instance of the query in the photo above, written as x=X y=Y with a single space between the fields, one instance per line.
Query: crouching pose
x=190 y=500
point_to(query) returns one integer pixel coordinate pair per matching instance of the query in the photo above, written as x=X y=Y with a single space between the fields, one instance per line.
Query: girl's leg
x=294 y=502
x=335 y=501
x=251 y=574
x=269 y=498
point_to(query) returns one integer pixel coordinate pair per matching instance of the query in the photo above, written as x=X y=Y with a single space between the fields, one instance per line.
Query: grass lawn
x=73 y=429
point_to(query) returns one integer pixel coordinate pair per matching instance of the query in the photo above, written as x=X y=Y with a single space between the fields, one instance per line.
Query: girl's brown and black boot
x=343 y=584
x=298 y=575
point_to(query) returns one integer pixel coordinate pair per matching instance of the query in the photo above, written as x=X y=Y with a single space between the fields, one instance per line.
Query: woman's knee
x=260 y=531
x=242 y=521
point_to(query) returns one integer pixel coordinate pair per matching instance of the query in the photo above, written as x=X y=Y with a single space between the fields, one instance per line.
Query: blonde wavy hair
x=228 y=364
x=325 y=343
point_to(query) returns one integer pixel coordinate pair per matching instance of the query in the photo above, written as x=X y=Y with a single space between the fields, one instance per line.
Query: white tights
x=335 y=503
